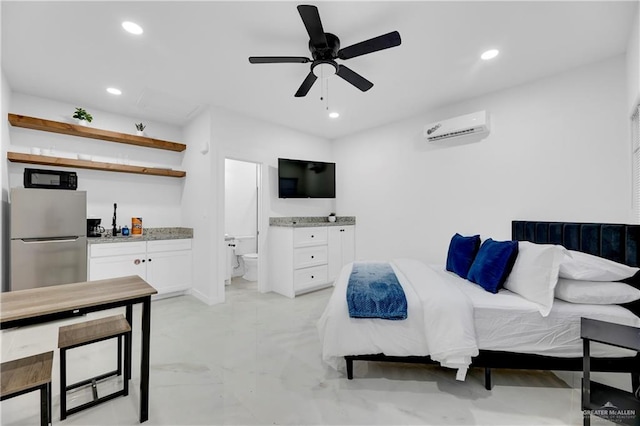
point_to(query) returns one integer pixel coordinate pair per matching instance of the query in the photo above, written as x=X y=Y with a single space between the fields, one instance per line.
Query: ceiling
x=194 y=54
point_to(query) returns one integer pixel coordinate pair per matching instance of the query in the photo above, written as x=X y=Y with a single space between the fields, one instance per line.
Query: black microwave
x=50 y=179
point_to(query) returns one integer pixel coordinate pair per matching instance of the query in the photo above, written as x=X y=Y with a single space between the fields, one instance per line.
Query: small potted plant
x=83 y=117
x=332 y=217
x=140 y=129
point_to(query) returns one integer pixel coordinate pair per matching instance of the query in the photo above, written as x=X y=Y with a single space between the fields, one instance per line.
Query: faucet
x=114 y=230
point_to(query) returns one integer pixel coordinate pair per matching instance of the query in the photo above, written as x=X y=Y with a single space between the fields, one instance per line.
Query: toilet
x=250 y=266
x=246 y=247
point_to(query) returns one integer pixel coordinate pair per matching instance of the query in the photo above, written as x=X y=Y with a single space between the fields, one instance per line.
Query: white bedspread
x=449 y=318
x=439 y=324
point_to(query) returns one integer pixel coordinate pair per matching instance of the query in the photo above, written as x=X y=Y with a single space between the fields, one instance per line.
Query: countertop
x=311 y=221
x=148 y=234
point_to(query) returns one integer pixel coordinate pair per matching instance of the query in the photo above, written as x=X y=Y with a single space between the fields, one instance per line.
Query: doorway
x=242 y=215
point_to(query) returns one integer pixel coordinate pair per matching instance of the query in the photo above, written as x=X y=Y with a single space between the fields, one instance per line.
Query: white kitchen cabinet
x=300 y=258
x=117 y=260
x=169 y=265
x=165 y=264
x=341 y=248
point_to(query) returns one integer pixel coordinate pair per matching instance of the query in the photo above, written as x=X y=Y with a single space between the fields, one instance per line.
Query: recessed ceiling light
x=489 y=54
x=334 y=114
x=132 y=27
x=114 y=91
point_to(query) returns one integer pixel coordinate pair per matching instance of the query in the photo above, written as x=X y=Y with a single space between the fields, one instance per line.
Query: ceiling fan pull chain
x=327 y=96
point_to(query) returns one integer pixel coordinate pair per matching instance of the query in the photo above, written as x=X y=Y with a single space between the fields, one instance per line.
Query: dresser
x=306 y=255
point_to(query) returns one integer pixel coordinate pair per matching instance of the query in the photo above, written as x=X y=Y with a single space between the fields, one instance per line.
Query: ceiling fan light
x=324 y=69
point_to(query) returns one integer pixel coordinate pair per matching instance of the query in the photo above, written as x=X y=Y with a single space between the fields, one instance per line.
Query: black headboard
x=612 y=241
x=617 y=242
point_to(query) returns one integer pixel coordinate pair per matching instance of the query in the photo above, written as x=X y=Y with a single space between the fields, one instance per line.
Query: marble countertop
x=148 y=234
x=311 y=221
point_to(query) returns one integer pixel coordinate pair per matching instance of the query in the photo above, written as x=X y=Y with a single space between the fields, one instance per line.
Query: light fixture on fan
x=324 y=69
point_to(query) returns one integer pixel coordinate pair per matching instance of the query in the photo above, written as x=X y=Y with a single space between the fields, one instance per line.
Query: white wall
x=198 y=206
x=154 y=198
x=558 y=150
x=633 y=63
x=5 y=98
x=241 y=198
x=244 y=138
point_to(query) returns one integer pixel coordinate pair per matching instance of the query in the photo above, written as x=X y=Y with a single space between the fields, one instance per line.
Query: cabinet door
x=169 y=271
x=348 y=244
x=341 y=248
x=335 y=252
x=101 y=268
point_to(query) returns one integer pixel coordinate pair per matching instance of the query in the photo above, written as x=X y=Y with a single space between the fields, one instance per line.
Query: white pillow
x=535 y=273
x=596 y=292
x=583 y=266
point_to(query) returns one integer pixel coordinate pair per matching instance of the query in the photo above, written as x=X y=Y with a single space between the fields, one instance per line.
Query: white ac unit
x=477 y=122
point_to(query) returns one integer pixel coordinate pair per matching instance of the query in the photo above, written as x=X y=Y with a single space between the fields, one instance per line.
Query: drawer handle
x=312 y=277
x=136 y=262
x=312 y=256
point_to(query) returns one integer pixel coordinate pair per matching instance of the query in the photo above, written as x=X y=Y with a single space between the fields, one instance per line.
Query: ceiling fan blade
x=354 y=78
x=306 y=85
x=311 y=19
x=278 y=59
x=382 y=42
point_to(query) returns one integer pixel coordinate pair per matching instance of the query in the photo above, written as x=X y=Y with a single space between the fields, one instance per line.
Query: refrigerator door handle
x=49 y=240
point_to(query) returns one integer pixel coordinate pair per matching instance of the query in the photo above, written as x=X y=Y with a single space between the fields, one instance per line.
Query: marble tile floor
x=256 y=360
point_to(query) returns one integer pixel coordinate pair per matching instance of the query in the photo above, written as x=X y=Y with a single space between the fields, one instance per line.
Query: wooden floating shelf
x=89 y=132
x=17 y=157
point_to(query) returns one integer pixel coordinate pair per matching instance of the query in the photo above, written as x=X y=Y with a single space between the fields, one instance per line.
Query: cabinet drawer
x=168 y=245
x=309 y=256
x=309 y=277
x=303 y=237
x=118 y=249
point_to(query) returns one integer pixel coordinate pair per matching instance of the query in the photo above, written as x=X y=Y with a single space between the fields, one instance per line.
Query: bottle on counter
x=125 y=231
x=136 y=226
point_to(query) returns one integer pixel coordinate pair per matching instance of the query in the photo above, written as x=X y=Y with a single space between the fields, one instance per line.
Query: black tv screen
x=306 y=179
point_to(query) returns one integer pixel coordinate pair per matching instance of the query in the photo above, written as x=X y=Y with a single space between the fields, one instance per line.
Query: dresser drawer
x=309 y=256
x=303 y=237
x=307 y=278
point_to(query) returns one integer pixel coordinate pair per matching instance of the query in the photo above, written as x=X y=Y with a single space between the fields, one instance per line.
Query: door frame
x=262 y=216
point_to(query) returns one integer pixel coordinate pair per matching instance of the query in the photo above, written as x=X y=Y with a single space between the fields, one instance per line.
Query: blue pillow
x=462 y=251
x=493 y=263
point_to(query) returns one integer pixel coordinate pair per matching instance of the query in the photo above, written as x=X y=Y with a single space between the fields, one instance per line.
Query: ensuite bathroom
x=241 y=224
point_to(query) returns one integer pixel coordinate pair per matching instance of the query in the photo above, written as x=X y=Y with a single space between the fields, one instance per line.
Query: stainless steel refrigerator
x=48 y=237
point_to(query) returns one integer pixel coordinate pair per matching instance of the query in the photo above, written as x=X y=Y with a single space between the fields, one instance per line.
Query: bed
x=534 y=341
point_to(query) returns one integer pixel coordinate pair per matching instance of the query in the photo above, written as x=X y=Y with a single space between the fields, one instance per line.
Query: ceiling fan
x=325 y=49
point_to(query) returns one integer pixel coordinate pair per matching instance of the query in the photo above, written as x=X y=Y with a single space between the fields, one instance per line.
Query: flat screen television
x=306 y=179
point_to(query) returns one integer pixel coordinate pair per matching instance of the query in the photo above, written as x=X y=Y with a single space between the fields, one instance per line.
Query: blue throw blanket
x=374 y=292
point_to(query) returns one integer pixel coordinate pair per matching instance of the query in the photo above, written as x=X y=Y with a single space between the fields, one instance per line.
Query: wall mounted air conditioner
x=477 y=122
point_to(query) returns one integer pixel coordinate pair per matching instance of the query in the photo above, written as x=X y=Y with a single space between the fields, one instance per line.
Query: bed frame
x=617 y=242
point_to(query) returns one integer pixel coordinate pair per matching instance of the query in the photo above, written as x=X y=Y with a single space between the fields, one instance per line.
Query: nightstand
x=601 y=400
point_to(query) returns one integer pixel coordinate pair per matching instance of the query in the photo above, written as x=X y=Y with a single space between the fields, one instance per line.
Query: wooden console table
x=39 y=305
